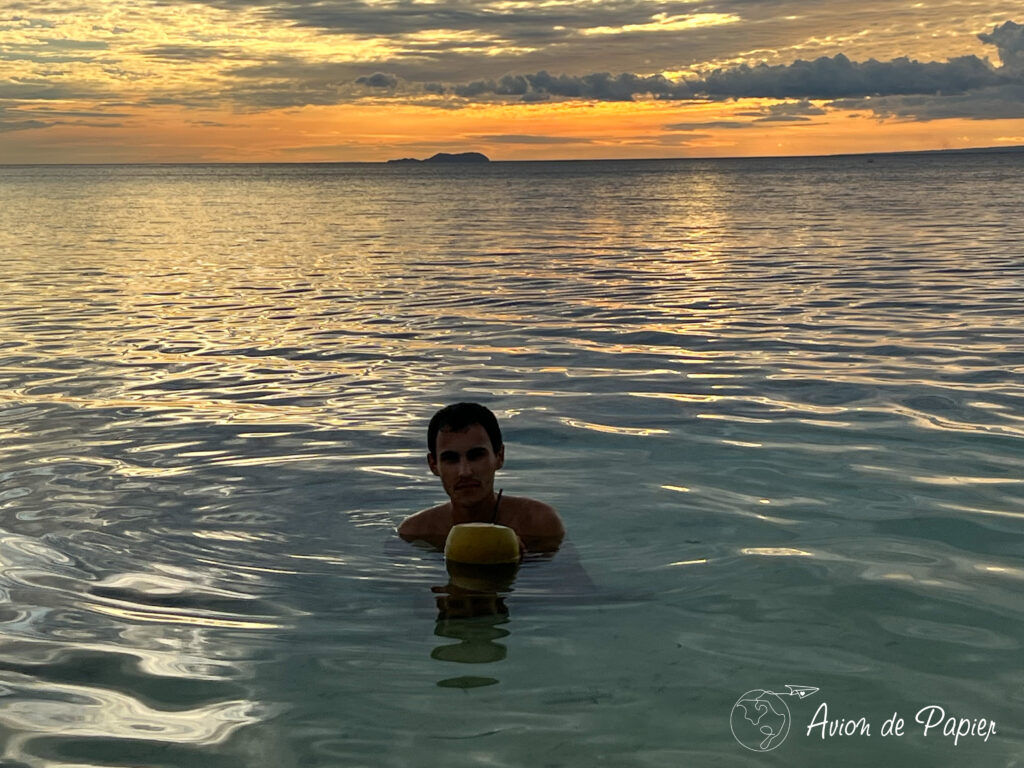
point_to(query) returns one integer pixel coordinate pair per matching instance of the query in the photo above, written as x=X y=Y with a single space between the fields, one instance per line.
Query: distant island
x=444 y=157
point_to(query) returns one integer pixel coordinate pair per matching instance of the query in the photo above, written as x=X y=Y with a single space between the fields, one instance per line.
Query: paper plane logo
x=760 y=719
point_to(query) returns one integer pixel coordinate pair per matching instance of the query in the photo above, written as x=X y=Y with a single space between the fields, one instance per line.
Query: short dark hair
x=460 y=416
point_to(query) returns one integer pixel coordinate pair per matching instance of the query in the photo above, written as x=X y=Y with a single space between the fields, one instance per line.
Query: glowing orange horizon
x=376 y=132
x=195 y=83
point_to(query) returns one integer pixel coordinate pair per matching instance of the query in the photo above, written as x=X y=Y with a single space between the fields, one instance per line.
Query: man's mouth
x=464 y=485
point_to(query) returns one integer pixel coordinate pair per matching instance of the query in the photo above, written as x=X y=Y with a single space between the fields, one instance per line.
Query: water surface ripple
x=779 y=404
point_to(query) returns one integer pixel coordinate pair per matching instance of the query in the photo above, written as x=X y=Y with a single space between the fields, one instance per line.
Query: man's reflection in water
x=474 y=590
x=471 y=609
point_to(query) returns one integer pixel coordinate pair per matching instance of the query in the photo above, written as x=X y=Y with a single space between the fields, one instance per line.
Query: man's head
x=465 y=451
x=459 y=417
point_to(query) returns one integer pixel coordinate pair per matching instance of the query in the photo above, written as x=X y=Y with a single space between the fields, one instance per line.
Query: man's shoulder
x=426 y=521
x=525 y=503
x=537 y=516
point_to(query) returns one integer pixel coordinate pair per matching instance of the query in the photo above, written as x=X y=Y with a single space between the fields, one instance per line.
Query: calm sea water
x=779 y=404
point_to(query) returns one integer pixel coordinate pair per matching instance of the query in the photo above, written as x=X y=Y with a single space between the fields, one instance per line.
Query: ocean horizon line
x=989 y=150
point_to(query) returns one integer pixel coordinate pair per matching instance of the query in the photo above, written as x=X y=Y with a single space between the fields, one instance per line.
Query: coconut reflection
x=474 y=590
x=471 y=609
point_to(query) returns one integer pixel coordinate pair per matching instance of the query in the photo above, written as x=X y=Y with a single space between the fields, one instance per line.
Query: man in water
x=466 y=450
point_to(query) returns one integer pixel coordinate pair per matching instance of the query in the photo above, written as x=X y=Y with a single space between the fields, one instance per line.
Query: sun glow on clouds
x=456 y=41
x=662 y=22
x=280 y=80
x=145 y=51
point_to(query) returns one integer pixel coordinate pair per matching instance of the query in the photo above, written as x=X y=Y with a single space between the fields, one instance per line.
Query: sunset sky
x=90 y=81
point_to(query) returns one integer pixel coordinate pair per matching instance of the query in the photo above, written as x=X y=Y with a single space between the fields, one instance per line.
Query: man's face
x=466 y=464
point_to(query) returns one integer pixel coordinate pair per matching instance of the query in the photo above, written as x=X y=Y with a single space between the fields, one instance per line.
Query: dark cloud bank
x=967 y=86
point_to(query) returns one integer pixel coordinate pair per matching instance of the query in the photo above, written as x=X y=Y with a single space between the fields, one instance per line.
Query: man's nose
x=464 y=466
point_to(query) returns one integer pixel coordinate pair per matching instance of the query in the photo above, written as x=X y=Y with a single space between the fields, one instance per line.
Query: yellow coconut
x=482 y=544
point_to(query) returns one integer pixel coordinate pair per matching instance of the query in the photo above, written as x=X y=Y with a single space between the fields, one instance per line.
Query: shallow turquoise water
x=777 y=403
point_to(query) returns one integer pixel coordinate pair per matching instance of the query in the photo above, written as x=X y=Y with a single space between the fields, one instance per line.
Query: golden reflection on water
x=776 y=552
x=227 y=411
x=96 y=712
x=681 y=397
x=615 y=430
x=177 y=617
x=972 y=509
x=1001 y=570
x=135 y=655
x=915 y=579
x=240 y=536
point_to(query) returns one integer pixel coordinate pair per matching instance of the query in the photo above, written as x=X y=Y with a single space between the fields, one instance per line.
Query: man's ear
x=501 y=457
x=432 y=463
